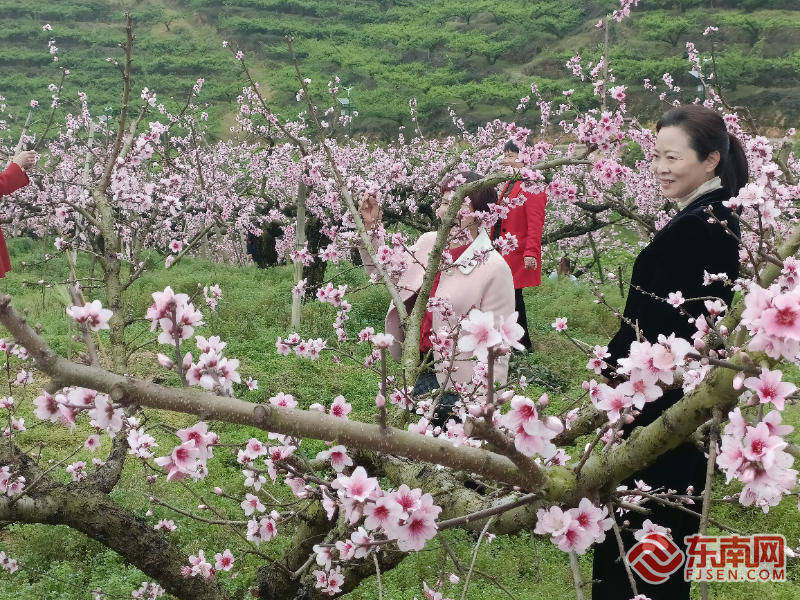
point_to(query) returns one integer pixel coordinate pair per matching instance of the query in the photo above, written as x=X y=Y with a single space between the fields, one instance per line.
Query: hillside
x=478 y=56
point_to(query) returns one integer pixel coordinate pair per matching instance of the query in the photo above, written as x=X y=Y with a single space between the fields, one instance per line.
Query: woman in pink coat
x=526 y=223
x=11 y=180
x=477 y=278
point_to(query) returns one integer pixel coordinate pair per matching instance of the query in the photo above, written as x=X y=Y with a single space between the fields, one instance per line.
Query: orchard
x=295 y=492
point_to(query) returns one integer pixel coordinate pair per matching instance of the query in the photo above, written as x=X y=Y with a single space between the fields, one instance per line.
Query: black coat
x=674 y=260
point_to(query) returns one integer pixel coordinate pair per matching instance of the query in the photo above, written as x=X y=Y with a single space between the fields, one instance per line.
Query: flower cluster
x=330 y=582
x=482 y=332
x=769 y=387
x=335 y=296
x=10 y=485
x=309 y=348
x=7 y=563
x=212 y=295
x=406 y=516
x=190 y=457
x=506 y=243
x=176 y=316
x=646 y=366
x=755 y=455
x=303 y=256
x=148 y=591
x=394 y=260
x=66 y=404
x=212 y=371
x=772 y=317
x=575 y=529
x=532 y=434
x=92 y=314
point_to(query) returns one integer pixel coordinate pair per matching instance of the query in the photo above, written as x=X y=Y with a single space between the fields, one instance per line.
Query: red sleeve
x=534 y=213
x=12 y=179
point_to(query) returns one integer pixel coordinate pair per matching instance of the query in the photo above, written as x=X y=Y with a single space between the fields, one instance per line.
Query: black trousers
x=522 y=318
x=683 y=466
x=427 y=382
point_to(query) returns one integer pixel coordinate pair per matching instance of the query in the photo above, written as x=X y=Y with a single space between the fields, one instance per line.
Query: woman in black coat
x=699 y=165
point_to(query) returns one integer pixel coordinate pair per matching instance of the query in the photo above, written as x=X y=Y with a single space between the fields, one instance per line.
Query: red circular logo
x=655 y=558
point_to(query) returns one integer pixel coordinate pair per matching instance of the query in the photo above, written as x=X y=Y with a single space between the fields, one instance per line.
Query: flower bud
x=738 y=381
x=165 y=361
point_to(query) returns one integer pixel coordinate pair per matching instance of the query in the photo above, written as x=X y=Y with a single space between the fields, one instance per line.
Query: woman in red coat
x=526 y=223
x=11 y=180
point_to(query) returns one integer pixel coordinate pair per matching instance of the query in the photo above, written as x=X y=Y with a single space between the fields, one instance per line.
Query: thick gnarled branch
x=81 y=506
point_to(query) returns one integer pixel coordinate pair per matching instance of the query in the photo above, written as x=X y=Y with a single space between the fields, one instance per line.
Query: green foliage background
x=477 y=56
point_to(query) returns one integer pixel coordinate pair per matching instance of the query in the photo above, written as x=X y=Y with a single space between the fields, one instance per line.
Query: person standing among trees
x=699 y=165
x=526 y=223
x=12 y=179
x=477 y=278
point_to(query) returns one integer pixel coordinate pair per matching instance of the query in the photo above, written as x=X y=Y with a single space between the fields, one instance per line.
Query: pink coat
x=487 y=286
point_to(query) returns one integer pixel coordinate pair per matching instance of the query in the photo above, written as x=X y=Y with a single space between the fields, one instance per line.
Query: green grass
x=58 y=563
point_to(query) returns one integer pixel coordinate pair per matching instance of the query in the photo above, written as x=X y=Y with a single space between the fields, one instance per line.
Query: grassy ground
x=58 y=563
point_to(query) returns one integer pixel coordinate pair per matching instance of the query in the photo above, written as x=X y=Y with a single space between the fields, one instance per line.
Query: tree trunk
x=119 y=357
x=300 y=242
x=314 y=274
x=262 y=248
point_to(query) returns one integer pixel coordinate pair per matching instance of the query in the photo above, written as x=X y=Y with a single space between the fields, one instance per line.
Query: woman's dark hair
x=707 y=132
x=481 y=199
x=511 y=147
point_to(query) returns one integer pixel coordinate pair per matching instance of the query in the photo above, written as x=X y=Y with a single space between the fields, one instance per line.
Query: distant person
x=13 y=178
x=467 y=284
x=526 y=223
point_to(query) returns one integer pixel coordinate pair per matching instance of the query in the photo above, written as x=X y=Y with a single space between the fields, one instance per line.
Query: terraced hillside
x=478 y=56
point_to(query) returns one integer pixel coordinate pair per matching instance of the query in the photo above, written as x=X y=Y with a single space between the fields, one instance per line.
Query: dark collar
x=697 y=207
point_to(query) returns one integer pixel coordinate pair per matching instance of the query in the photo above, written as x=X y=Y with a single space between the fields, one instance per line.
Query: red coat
x=526 y=222
x=11 y=180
